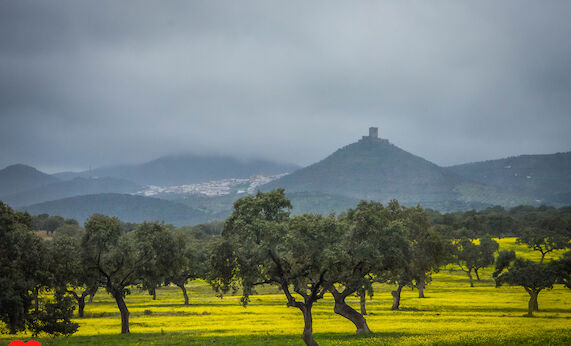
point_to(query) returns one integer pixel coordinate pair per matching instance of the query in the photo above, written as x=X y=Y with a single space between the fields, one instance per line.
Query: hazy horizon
x=97 y=84
x=127 y=163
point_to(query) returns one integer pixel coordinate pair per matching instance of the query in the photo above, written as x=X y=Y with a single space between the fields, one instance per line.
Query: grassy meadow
x=451 y=313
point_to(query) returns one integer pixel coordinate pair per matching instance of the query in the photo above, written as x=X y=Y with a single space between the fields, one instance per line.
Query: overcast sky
x=107 y=82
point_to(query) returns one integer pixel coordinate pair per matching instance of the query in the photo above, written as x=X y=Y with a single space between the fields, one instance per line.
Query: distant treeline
x=499 y=222
x=496 y=222
x=53 y=224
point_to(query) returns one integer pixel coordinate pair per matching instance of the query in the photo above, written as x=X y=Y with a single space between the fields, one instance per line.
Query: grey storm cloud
x=106 y=82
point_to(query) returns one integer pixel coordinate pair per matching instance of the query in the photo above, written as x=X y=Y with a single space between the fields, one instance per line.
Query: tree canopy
x=124 y=259
x=21 y=267
x=533 y=277
x=471 y=257
x=264 y=246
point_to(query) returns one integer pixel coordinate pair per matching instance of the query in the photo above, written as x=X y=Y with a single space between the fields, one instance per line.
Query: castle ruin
x=373 y=132
x=373 y=136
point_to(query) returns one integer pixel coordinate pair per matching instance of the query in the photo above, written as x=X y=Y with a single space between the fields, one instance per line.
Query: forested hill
x=187 y=169
x=546 y=177
x=126 y=207
x=374 y=169
x=20 y=177
x=70 y=188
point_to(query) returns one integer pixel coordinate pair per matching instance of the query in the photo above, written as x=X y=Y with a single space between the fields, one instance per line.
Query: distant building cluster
x=212 y=188
x=209 y=188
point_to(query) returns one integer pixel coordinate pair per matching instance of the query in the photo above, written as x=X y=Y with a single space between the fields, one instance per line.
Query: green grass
x=453 y=313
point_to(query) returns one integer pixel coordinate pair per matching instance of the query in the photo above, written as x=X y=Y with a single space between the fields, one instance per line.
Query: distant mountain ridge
x=547 y=177
x=374 y=169
x=127 y=208
x=187 y=169
x=110 y=190
x=371 y=169
x=19 y=177
x=70 y=188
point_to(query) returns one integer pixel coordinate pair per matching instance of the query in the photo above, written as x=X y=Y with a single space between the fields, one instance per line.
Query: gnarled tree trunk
x=92 y=292
x=13 y=329
x=80 y=298
x=420 y=284
x=307 y=335
x=305 y=307
x=362 y=301
x=81 y=302
x=343 y=309
x=81 y=305
x=184 y=293
x=477 y=276
x=469 y=272
x=36 y=299
x=396 y=298
x=124 y=312
x=532 y=303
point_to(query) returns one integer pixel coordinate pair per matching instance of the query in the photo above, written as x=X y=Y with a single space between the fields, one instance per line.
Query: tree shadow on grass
x=514 y=308
x=407 y=308
x=144 y=313
x=367 y=339
x=194 y=337
x=176 y=305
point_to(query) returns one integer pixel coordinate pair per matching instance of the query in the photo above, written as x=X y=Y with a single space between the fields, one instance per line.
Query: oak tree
x=533 y=277
x=262 y=245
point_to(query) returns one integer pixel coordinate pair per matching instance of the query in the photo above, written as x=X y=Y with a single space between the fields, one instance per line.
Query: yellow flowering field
x=452 y=313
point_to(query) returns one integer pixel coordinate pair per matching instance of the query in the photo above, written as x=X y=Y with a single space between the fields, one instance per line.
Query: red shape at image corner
x=21 y=343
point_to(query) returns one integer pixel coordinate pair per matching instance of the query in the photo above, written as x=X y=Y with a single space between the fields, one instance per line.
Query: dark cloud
x=97 y=83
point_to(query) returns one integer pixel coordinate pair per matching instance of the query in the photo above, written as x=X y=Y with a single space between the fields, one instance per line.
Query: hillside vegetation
x=545 y=177
x=126 y=207
x=71 y=188
x=219 y=208
x=18 y=178
x=375 y=169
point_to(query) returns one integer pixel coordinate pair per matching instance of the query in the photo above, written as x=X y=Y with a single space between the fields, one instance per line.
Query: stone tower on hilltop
x=373 y=132
x=373 y=136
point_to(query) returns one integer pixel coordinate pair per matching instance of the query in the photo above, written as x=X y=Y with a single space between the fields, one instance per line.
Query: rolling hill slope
x=70 y=188
x=370 y=169
x=546 y=178
x=17 y=178
x=186 y=169
x=375 y=169
x=220 y=207
x=126 y=207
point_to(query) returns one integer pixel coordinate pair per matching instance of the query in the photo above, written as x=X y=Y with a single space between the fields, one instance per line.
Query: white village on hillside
x=212 y=188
